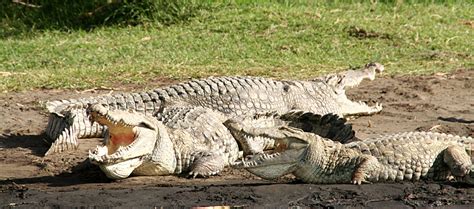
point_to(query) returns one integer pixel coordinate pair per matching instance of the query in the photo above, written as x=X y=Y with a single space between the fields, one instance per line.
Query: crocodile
x=233 y=96
x=395 y=157
x=188 y=140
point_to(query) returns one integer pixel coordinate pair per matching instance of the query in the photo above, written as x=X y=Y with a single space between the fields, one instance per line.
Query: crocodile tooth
x=120 y=150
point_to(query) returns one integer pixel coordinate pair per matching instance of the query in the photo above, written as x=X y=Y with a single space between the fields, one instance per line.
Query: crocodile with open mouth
x=313 y=158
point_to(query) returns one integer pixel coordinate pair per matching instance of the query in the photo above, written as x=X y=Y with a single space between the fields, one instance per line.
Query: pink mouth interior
x=123 y=139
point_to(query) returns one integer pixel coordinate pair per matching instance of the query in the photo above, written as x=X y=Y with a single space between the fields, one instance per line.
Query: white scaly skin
x=396 y=157
x=142 y=145
x=233 y=96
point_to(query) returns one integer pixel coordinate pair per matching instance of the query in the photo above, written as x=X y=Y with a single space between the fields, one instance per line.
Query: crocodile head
x=290 y=148
x=349 y=79
x=130 y=139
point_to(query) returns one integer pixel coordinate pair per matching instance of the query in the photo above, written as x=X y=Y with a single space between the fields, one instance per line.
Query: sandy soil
x=442 y=102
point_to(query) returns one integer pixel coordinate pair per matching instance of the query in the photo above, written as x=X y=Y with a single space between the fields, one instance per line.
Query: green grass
x=263 y=39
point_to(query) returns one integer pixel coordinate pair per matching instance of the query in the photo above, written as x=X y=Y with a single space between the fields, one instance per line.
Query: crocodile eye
x=145 y=125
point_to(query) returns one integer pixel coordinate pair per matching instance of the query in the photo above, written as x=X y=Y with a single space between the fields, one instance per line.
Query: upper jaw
x=100 y=114
x=282 y=134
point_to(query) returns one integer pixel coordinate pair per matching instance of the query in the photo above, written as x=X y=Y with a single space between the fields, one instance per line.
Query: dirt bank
x=440 y=102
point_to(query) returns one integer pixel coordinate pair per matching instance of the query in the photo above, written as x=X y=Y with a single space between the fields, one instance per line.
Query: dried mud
x=441 y=102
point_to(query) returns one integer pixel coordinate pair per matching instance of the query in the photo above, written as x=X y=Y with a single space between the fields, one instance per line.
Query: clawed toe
x=359 y=181
x=194 y=174
x=356 y=182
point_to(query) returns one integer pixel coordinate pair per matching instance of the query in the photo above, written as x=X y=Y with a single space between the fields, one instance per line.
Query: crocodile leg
x=362 y=173
x=207 y=164
x=458 y=161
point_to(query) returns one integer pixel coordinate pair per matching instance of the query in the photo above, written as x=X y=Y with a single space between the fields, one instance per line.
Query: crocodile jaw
x=131 y=139
x=118 y=170
x=283 y=159
x=272 y=165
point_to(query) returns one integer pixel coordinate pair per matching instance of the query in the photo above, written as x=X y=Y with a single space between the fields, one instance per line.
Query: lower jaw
x=120 y=170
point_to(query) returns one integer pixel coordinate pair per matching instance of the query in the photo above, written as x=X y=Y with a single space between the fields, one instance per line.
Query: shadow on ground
x=36 y=143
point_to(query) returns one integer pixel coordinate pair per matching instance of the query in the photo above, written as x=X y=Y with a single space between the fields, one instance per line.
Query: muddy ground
x=441 y=102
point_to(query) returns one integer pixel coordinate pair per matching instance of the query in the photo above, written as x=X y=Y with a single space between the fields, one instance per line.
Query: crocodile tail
x=65 y=135
x=60 y=131
x=67 y=123
x=329 y=126
x=63 y=129
x=61 y=114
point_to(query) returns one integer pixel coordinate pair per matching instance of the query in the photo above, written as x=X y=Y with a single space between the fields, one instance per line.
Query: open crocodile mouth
x=282 y=159
x=130 y=135
x=350 y=79
x=286 y=149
